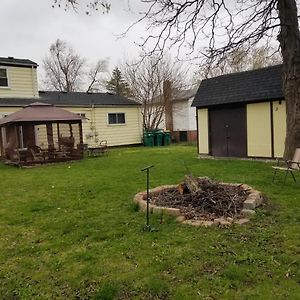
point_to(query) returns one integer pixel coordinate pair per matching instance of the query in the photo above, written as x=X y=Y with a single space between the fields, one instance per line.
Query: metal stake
x=147 y=226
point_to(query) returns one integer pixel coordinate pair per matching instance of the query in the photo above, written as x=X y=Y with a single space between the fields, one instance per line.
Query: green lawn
x=71 y=231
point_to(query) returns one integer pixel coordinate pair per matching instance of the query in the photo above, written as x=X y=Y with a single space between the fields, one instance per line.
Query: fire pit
x=202 y=201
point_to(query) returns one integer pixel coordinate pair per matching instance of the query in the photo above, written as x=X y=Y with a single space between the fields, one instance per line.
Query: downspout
x=93 y=121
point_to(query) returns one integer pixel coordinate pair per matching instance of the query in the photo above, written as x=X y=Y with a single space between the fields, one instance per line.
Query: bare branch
x=93 y=75
x=146 y=80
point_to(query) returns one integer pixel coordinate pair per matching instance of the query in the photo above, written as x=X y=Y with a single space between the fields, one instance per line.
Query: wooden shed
x=242 y=114
x=57 y=130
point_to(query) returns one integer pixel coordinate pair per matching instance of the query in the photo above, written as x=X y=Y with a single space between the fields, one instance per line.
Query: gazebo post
x=16 y=136
x=58 y=135
x=49 y=130
x=80 y=137
x=70 y=129
x=1 y=143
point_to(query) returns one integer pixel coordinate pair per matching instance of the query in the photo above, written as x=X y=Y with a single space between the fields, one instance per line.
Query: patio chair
x=100 y=149
x=289 y=167
x=12 y=155
x=103 y=146
x=37 y=153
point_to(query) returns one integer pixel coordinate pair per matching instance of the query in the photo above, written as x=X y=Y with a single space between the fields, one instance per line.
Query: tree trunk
x=167 y=95
x=289 y=39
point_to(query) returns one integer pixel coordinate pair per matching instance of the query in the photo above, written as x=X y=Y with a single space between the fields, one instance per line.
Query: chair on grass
x=290 y=166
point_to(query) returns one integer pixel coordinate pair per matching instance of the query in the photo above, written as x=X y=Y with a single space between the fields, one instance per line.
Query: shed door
x=228 y=132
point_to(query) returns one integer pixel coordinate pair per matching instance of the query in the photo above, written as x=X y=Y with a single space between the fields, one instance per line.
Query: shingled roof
x=39 y=112
x=11 y=61
x=72 y=99
x=255 y=85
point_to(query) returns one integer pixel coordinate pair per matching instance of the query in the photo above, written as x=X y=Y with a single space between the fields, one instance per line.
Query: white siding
x=184 y=116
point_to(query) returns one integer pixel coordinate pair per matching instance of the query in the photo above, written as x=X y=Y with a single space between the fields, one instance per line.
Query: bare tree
x=95 y=81
x=241 y=60
x=64 y=68
x=67 y=71
x=102 y=5
x=215 y=28
x=147 y=80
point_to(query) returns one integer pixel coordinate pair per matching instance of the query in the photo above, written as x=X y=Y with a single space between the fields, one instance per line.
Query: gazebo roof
x=40 y=112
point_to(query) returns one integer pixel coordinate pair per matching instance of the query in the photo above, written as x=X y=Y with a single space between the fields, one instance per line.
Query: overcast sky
x=28 y=27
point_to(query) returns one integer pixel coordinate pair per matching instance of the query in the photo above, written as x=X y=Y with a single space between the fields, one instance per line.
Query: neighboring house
x=181 y=118
x=106 y=116
x=242 y=114
x=184 y=117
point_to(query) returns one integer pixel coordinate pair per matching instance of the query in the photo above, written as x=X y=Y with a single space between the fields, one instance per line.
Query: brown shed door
x=228 y=132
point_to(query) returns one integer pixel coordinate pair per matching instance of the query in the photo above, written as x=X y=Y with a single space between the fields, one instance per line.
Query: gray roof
x=39 y=112
x=185 y=94
x=250 y=86
x=11 y=61
x=71 y=99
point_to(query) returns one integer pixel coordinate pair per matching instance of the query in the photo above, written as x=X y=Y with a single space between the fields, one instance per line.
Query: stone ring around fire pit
x=254 y=199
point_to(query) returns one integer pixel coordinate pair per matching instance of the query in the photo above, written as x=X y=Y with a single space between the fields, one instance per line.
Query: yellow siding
x=8 y=110
x=203 y=130
x=86 y=124
x=22 y=83
x=259 y=129
x=279 y=121
x=41 y=136
x=96 y=128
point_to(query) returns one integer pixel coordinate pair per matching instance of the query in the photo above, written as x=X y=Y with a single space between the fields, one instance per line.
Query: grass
x=71 y=231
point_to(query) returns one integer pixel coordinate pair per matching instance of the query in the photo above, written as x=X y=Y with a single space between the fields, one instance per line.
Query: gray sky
x=28 y=27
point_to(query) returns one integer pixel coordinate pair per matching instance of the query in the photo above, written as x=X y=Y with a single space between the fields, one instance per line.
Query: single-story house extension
x=106 y=116
x=242 y=114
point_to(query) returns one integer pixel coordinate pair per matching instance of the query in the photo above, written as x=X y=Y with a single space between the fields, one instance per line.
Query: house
x=184 y=117
x=180 y=117
x=106 y=116
x=242 y=114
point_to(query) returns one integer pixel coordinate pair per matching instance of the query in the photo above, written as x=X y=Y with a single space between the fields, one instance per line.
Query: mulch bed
x=213 y=200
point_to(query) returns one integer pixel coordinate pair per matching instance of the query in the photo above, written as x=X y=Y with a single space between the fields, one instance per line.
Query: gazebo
x=41 y=133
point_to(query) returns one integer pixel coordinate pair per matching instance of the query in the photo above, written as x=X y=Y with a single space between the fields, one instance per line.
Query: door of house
x=228 y=131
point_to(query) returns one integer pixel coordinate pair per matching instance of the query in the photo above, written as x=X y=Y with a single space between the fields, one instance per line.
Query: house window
x=3 y=78
x=117 y=118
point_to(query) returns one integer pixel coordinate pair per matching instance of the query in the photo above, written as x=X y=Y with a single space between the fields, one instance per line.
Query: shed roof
x=11 y=61
x=255 y=85
x=39 y=112
x=71 y=99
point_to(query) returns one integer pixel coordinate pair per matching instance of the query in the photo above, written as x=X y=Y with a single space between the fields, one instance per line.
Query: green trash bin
x=148 y=139
x=158 y=138
x=167 y=138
